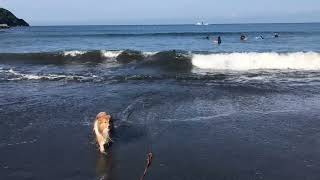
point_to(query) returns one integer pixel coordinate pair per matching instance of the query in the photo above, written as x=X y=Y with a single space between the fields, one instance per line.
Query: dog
x=102 y=128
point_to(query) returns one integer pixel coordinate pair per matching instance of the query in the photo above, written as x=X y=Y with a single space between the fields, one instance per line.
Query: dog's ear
x=108 y=117
x=101 y=114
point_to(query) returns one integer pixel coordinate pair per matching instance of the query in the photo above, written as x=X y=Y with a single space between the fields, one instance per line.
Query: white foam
x=110 y=54
x=12 y=72
x=23 y=76
x=251 y=61
x=73 y=53
x=149 y=53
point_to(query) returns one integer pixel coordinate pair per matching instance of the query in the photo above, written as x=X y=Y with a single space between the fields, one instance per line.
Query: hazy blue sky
x=61 y=12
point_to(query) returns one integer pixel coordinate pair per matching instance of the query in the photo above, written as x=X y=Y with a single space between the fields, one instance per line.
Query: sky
x=103 y=12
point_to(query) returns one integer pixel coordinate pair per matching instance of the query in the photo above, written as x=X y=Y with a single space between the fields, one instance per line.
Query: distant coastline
x=8 y=19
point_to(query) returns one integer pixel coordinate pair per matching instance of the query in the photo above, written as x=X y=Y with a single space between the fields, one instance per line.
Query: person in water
x=276 y=35
x=260 y=37
x=219 y=40
x=243 y=37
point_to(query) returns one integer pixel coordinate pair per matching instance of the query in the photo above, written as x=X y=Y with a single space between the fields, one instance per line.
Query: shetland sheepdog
x=102 y=128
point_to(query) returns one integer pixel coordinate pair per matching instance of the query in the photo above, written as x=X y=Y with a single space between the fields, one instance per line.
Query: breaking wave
x=254 y=61
x=65 y=57
x=175 y=60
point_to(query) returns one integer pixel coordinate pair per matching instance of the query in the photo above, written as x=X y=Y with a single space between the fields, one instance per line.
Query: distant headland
x=8 y=19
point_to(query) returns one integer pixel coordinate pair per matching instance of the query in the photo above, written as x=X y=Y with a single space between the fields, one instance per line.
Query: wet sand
x=195 y=131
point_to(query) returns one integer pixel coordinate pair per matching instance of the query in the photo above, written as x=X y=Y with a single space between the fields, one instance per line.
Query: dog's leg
x=102 y=150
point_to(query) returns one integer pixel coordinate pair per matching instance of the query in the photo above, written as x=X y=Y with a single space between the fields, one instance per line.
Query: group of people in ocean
x=243 y=37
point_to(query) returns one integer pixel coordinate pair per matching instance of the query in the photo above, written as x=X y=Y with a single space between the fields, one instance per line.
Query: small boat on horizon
x=202 y=23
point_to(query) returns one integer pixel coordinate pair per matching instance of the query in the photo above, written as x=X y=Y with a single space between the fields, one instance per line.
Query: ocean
x=241 y=110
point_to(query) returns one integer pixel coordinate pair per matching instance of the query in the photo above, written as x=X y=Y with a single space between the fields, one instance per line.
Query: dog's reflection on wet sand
x=104 y=166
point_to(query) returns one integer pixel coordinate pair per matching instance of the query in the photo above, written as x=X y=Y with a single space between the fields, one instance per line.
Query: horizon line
x=172 y=24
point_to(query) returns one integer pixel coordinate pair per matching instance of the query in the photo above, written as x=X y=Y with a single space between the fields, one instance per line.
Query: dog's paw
x=102 y=150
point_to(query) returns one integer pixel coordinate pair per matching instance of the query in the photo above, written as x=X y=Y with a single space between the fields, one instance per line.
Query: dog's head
x=104 y=121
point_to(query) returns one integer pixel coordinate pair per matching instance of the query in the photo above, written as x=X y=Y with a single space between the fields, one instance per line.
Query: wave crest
x=252 y=61
x=174 y=60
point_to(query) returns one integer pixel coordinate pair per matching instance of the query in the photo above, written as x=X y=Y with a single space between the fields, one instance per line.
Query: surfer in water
x=243 y=37
x=218 y=40
x=260 y=37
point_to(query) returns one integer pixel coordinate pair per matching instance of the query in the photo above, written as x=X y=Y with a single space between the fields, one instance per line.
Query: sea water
x=240 y=110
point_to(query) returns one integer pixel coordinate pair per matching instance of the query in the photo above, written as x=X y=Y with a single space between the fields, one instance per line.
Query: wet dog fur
x=102 y=128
